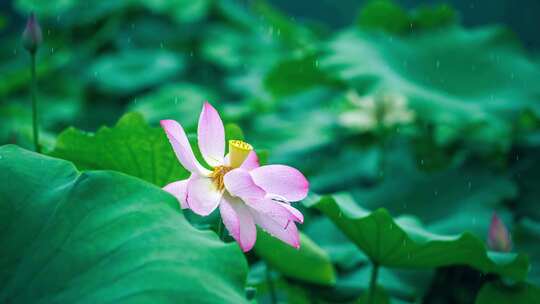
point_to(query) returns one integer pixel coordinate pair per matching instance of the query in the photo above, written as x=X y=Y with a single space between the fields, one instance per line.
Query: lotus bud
x=32 y=36
x=499 y=237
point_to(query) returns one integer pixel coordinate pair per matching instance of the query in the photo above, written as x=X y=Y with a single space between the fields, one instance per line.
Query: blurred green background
x=427 y=109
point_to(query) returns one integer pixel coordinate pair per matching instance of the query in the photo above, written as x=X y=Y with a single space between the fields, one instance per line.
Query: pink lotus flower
x=246 y=193
x=498 y=236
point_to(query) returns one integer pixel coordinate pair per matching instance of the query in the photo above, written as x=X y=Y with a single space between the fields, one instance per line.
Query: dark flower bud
x=32 y=37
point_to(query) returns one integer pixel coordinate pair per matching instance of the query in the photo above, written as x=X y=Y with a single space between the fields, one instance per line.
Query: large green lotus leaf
x=179 y=10
x=342 y=252
x=175 y=101
x=303 y=69
x=239 y=49
x=469 y=84
x=46 y=8
x=497 y=293
x=75 y=12
x=71 y=11
x=285 y=29
x=387 y=16
x=309 y=263
x=131 y=147
x=384 y=15
x=403 y=243
x=462 y=197
x=102 y=236
x=134 y=70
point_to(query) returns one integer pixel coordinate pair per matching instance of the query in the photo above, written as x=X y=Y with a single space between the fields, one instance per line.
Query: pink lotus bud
x=32 y=37
x=499 y=237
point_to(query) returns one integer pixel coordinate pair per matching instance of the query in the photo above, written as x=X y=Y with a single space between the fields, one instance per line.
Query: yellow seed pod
x=238 y=152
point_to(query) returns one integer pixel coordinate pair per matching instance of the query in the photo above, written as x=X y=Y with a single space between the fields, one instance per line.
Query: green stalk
x=33 y=89
x=271 y=287
x=373 y=283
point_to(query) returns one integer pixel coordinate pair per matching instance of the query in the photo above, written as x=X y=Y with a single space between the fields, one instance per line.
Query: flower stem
x=270 y=283
x=35 y=122
x=373 y=283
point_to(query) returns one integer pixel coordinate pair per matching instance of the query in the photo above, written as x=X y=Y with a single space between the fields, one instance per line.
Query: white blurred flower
x=383 y=109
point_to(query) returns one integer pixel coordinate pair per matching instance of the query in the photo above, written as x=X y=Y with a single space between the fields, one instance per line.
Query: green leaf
x=232 y=49
x=102 y=236
x=497 y=293
x=309 y=263
x=174 y=101
x=449 y=201
x=304 y=70
x=180 y=10
x=131 y=147
x=45 y=8
x=384 y=15
x=471 y=85
x=403 y=243
x=134 y=70
x=342 y=252
x=72 y=12
x=294 y=34
x=434 y=17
